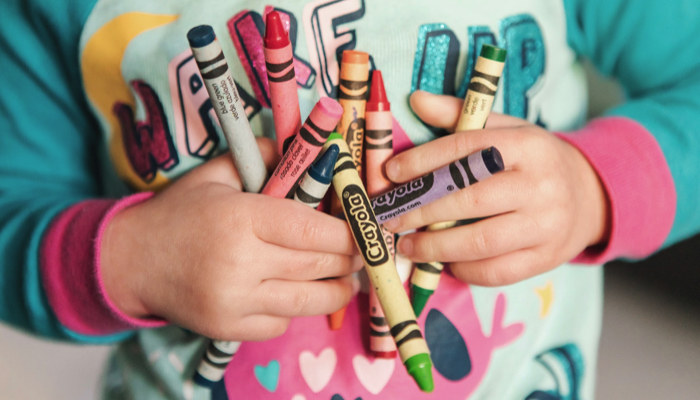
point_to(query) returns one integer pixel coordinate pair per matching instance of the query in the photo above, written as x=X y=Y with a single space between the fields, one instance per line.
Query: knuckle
x=300 y=302
x=478 y=243
x=462 y=144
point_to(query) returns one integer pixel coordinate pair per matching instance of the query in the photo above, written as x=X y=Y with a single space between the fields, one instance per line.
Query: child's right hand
x=227 y=264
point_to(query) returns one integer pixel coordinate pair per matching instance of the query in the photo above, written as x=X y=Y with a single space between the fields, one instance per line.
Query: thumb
x=222 y=169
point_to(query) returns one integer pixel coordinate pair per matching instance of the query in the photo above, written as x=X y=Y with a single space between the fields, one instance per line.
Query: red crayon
x=304 y=148
x=378 y=150
x=279 y=60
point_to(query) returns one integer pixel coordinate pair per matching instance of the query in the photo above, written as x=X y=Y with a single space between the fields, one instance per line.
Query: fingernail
x=391 y=225
x=393 y=169
x=405 y=246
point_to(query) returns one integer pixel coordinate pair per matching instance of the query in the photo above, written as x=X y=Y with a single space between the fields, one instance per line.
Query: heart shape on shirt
x=317 y=371
x=373 y=376
x=268 y=376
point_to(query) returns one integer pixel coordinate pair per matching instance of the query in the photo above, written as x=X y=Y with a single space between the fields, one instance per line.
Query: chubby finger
x=296 y=265
x=293 y=225
x=500 y=194
x=436 y=110
x=431 y=156
x=502 y=270
x=301 y=299
x=268 y=150
x=485 y=239
x=252 y=328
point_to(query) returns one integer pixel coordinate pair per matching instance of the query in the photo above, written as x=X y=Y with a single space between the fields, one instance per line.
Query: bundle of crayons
x=313 y=157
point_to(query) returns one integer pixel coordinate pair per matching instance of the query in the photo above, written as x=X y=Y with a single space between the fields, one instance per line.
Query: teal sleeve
x=651 y=47
x=48 y=145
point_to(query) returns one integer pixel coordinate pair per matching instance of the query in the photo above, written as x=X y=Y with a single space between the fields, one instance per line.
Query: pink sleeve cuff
x=70 y=268
x=638 y=182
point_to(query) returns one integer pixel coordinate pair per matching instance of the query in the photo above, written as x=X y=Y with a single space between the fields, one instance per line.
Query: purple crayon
x=438 y=184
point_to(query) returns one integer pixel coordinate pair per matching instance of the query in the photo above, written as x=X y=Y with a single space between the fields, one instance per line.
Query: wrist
x=118 y=263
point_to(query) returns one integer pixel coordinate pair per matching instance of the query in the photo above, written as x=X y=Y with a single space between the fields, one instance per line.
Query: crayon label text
x=364 y=226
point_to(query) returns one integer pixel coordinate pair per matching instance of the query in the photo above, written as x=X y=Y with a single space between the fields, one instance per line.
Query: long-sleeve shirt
x=102 y=99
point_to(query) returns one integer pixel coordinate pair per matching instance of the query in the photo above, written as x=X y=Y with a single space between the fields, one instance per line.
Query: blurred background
x=650 y=346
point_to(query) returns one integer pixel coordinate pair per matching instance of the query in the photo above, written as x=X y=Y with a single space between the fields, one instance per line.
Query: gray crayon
x=227 y=104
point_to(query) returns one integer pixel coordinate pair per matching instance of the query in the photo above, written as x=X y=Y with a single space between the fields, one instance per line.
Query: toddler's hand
x=547 y=206
x=227 y=264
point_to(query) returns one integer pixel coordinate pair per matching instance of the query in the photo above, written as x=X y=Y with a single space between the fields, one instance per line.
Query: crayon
x=279 y=60
x=426 y=276
x=304 y=149
x=352 y=95
x=482 y=88
x=381 y=270
x=378 y=150
x=335 y=320
x=477 y=106
x=218 y=355
x=227 y=105
x=318 y=179
x=438 y=184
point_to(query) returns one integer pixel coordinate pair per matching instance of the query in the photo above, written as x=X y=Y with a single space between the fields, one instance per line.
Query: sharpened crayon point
x=377 y=94
x=493 y=160
x=419 y=298
x=334 y=136
x=355 y=57
x=335 y=320
x=420 y=368
x=275 y=35
x=201 y=36
x=322 y=170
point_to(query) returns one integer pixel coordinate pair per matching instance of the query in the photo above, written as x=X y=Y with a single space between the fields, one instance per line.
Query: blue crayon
x=317 y=180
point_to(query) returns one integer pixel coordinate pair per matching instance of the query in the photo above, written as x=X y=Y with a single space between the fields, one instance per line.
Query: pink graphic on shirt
x=194 y=118
x=327 y=36
x=246 y=29
x=317 y=371
x=148 y=144
x=196 y=126
x=308 y=353
x=305 y=74
x=400 y=138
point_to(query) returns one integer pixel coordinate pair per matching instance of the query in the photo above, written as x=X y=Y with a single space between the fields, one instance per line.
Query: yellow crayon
x=381 y=269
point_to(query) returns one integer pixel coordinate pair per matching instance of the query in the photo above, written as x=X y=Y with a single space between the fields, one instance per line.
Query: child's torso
x=142 y=83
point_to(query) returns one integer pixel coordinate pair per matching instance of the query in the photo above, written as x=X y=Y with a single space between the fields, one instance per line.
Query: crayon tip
x=377 y=94
x=384 y=354
x=335 y=320
x=420 y=368
x=275 y=35
x=201 y=36
x=492 y=160
x=322 y=170
x=419 y=298
x=334 y=136
x=493 y=53
x=355 y=57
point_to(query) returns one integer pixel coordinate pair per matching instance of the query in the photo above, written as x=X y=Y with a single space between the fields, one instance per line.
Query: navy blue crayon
x=317 y=180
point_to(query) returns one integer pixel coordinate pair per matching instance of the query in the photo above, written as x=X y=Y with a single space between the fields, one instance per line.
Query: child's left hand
x=547 y=206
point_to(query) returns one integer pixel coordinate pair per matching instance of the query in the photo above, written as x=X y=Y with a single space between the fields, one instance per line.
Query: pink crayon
x=279 y=60
x=304 y=148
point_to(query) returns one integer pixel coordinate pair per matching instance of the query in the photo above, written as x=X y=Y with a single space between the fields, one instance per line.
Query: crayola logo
x=364 y=226
x=403 y=194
